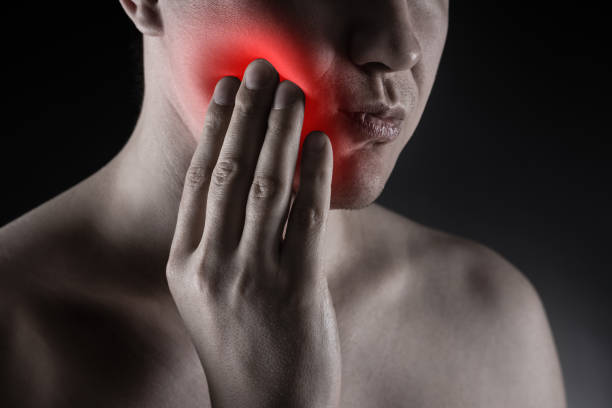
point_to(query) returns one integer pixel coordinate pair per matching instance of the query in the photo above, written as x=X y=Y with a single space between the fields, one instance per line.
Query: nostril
x=385 y=53
x=375 y=67
x=393 y=44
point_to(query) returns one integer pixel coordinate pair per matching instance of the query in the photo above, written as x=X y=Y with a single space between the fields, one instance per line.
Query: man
x=135 y=287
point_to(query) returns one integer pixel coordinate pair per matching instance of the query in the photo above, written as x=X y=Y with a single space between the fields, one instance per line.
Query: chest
x=385 y=363
x=373 y=376
x=95 y=356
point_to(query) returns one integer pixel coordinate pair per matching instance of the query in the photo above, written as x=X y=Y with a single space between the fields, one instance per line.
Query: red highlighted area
x=230 y=52
x=203 y=57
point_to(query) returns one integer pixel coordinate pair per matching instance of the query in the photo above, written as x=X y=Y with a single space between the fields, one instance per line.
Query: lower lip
x=372 y=129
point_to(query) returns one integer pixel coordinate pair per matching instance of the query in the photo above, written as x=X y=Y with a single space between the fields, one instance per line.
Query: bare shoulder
x=42 y=242
x=494 y=319
x=17 y=241
x=459 y=269
x=39 y=258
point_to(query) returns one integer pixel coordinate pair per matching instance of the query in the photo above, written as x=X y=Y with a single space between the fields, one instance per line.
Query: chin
x=354 y=196
x=359 y=177
x=357 y=182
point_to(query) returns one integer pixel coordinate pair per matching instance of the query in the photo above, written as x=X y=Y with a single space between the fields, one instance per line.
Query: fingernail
x=258 y=74
x=225 y=91
x=317 y=141
x=286 y=93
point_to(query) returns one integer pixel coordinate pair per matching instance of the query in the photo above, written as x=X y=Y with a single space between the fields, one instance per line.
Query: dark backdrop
x=512 y=150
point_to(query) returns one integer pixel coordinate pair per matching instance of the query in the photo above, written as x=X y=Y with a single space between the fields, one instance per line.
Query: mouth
x=372 y=128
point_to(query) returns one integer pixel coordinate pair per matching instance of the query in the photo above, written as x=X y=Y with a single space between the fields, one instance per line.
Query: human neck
x=144 y=181
x=143 y=186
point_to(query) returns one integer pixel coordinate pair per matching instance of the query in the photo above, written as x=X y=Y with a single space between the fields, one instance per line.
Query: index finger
x=192 y=208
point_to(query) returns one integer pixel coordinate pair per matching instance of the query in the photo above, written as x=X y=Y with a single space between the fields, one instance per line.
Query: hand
x=257 y=306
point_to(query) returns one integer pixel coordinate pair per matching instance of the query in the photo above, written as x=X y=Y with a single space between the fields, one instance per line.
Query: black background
x=512 y=151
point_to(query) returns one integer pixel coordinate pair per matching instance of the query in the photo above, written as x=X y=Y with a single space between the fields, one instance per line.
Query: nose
x=385 y=36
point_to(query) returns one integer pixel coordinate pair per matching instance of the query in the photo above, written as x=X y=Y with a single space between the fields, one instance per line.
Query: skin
x=260 y=314
x=166 y=279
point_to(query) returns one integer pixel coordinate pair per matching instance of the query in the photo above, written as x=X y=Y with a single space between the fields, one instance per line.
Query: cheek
x=204 y=55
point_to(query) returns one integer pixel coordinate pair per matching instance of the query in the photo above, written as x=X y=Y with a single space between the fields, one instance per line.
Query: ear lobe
x=145 y=15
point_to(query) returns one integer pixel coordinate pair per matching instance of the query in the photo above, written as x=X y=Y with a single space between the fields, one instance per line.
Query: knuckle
x=188 y=273
x=213 y=123
x=197 y=176
x=246 y=106
x=214 y=278
x=265 y=186
x=225 y=170
x=170 y=272
x=280 y=122
x=174 y=268
x=308 y=217
x=202 y=274
x=206 y=286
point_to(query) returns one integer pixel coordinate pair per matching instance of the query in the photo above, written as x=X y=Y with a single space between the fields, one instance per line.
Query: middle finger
x=269 y=196
x=227 y=195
